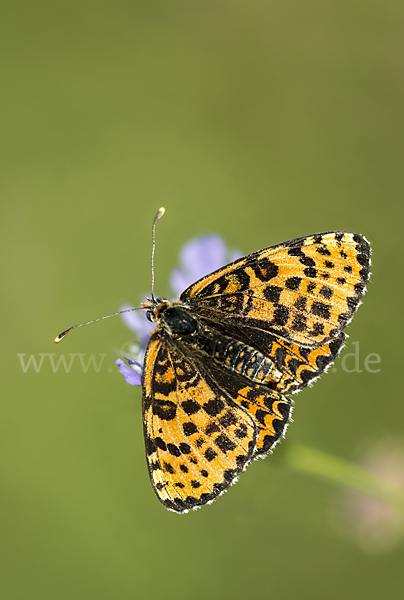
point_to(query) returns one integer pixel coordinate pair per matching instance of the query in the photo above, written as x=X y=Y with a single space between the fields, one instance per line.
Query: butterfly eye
x=150 y=315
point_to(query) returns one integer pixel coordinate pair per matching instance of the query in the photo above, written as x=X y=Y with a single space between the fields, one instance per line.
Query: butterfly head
x=172 y=317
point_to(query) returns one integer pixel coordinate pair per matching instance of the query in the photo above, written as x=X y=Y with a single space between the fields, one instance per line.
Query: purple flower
x=131 y=376
x=198 y=257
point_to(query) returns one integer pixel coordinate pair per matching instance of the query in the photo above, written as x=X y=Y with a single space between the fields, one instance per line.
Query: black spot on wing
x=160 y=443
x=318 y=329
x=228 y=419
x=189 y=428
x=185 y=448
x=173 y=450
x=241 y=432
x=293 y=283
x=307 y=261
x=210 y=454
x=320 y=310
x=168 y=468
x=190 y=407
x=272 y=293
x=213 y=407
x=265 y=270
x=225 y=443
x=323 y=251
x=281 y=315
x=212 y=427
x=165 y=409
x=326 y=292
x=310 y=272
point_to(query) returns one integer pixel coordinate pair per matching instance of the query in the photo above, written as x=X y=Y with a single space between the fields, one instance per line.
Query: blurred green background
x=260 y=121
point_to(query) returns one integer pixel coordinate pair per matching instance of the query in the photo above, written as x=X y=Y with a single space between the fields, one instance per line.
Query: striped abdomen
x=239 y=357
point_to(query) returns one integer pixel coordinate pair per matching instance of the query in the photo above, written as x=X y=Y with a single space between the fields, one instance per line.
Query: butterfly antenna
x=60 y=337
x=158 y=216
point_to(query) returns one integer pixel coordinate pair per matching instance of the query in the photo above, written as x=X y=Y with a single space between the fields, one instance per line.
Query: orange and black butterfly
x=220 y=365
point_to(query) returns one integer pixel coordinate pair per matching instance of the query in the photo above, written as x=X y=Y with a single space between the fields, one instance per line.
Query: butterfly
x=223 y=359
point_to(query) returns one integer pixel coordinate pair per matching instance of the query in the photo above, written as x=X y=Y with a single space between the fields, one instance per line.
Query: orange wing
x=202 y=426
x=304 y=291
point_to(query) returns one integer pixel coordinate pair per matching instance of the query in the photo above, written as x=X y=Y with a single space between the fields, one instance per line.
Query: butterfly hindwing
x=270 y=409
x=304 y=291
x=300 y=366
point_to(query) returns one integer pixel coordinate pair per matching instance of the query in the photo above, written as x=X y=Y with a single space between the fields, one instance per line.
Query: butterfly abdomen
x=239 y=358
x=226 y=351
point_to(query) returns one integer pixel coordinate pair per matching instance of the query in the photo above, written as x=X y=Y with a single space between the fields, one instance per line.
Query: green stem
x=342 y=472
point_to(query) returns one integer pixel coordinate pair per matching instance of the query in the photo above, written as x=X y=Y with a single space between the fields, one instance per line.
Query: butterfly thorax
x=172 y=317
x=177 y=322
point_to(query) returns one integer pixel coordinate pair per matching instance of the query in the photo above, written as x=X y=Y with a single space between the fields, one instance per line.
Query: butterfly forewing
x=197 y=438
x=304 y=291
